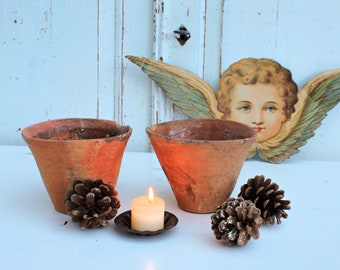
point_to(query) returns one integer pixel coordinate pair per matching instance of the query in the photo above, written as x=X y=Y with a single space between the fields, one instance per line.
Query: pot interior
x=77 y=133
x=77 y=129
x=206 y=129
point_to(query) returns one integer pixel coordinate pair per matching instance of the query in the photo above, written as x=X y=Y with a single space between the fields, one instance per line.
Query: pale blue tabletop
x=34 y=236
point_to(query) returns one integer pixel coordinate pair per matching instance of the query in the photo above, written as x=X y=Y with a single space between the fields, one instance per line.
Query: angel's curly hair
x=252 y=71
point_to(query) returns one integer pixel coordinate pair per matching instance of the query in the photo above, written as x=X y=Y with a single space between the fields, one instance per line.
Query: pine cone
x=267 y=197
x=236 y=221
x=91 y=203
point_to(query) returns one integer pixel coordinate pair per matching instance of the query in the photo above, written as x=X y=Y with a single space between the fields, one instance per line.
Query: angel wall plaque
x=257 y=92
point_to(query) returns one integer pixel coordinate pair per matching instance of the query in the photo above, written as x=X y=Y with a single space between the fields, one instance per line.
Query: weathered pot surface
x=202 y=159
x=76 y=148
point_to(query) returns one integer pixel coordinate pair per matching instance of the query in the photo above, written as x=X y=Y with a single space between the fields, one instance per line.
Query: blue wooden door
x=67 y=58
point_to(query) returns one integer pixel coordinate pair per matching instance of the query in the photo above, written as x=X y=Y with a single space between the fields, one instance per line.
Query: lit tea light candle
x=147 y=213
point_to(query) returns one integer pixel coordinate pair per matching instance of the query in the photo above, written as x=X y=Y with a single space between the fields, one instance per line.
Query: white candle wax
x=147 y=213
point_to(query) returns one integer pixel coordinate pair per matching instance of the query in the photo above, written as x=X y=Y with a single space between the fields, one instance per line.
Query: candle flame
x=151 y=196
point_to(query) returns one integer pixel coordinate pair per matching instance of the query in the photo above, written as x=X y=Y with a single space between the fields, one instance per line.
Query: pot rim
x=150 y=131
x=126 y=129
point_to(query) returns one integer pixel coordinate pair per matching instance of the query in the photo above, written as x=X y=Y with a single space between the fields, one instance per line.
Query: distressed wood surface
x=66 y=58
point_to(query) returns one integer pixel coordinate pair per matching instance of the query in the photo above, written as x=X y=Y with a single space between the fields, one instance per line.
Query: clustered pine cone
x=91 y=203
x=236 y=221
x=267 y=197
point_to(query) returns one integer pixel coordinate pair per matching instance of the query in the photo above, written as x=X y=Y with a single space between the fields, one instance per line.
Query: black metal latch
x=182 y=34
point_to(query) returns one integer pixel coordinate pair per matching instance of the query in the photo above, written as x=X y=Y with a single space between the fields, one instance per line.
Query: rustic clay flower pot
x=202 y=159
x=76 y=148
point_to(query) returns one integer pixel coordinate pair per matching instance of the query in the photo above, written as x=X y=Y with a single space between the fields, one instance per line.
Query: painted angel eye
x=244 y=108
x=270 y=109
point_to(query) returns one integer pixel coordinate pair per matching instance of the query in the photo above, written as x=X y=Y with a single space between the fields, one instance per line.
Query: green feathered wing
x=191 y=94
x=196 y=99
x=315 y=99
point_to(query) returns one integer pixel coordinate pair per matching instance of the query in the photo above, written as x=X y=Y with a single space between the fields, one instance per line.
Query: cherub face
x=259 y=106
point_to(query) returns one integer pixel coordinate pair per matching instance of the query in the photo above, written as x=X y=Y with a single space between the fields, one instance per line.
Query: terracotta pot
x=76 y=148
x=202 y=159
